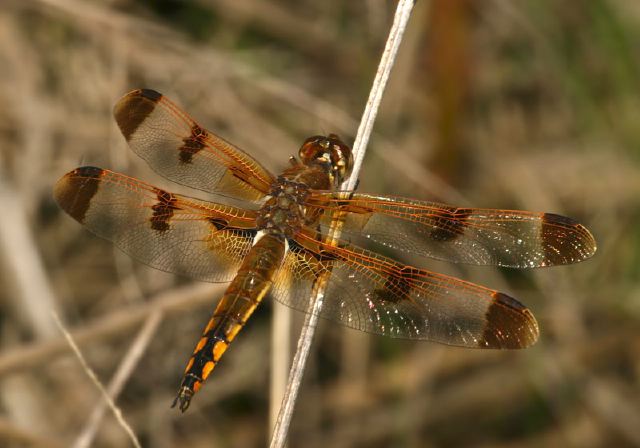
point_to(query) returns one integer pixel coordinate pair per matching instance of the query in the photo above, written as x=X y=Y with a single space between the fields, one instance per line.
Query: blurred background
x=533 y=104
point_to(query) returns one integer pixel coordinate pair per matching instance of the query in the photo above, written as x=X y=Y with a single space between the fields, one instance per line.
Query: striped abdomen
x=243 y=295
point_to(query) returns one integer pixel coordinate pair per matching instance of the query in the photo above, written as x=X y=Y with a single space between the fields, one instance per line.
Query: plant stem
x=401 y=18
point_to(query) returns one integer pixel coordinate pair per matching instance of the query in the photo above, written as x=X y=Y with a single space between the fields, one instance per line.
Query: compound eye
x=313 y=149
x=341 y=159
x=329 y=152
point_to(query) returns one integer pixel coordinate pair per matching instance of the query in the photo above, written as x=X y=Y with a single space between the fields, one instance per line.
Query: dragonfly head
x=330 y=153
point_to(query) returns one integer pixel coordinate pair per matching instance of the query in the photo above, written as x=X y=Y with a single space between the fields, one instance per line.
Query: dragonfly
x=280 y=241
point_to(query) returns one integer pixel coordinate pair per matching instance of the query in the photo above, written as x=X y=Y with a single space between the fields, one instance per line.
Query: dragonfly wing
x=510 y=238
x=372 y=293
x=167 y=231
x=175 y=146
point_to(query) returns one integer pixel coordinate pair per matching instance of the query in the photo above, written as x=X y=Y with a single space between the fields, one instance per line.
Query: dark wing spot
x=75 y=190
x=219 y=223
x=509 y=325
x=133 y=109
x=151 y=94
x=552 y=218
x=398 y=285
x=163 y=210
x=564 y=240
x=450 y=223
x=294 y=246
x=89 y=171
x=325 y=256
x=192 y=144
x=222 y=224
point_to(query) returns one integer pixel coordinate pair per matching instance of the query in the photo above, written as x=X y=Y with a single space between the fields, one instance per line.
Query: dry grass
x=530 y=104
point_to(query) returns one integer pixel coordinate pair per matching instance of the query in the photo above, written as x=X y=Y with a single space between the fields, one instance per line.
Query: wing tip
x=510 y=324
x=74 y=191
x=590 y=245
x=149 y=94
x=134 y=108
x=582 y=240
x=87 y=171
x=553 y=218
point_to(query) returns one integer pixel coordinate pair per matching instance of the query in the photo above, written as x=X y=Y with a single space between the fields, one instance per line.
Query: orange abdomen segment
x=243 y=295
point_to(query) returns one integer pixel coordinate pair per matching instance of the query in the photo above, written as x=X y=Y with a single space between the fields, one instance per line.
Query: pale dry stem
x=403 y=12
x=124 y=371
x=116 y=410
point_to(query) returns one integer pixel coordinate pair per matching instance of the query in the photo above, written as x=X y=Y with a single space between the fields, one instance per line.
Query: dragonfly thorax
x=283 y=212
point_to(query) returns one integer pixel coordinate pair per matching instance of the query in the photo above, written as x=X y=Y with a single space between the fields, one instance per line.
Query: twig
x=118 y=381
x=401 y=18
x=96 y=381
x=403 y=12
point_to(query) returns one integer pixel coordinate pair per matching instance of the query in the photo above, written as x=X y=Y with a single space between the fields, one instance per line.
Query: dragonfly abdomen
x=245 y=292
